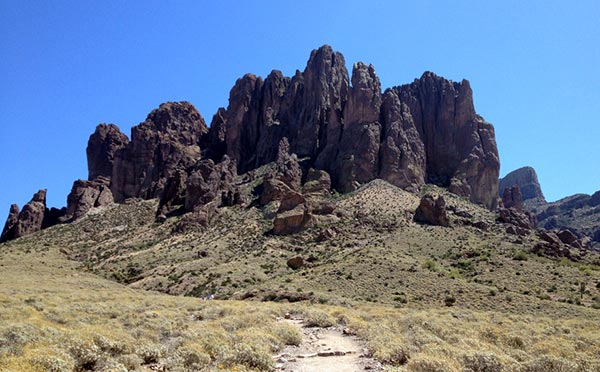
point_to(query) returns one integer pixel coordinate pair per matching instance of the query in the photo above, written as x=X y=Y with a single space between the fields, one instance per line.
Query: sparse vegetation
x=421 y=297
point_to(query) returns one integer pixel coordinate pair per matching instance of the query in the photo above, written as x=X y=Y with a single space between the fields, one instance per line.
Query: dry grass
x=55 y=318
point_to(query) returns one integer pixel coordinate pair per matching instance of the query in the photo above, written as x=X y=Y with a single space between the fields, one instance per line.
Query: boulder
x=201 y=216
x=567 y=237
x=210 y=182
x=318 y=183
x=295 y=263
x=517 y=218
x=173 y=195
x=550 y=238
x=291 y=221
x=284 y=178
x=432 y=210
x=512 y=198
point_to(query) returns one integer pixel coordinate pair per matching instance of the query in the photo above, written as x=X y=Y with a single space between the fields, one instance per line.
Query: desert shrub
x=548 y=363
x=187 y=358
x=288 y=334
x=449 y=301
x=151 y=353
x=250 y=355
x=430 y=265
x=396 y=355
x=193 y=359
x=515 y=342
x=482 y=363
x=84 y=352
x=109 y=365
x=520 y=256
x=215 y=344
x=318 y=318
x=131 y=361
x=112 y=347
x=14 y=337
x=429 y=364
x=53 y=361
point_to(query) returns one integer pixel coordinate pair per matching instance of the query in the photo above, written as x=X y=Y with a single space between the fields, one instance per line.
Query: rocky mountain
x=527 y=180
x=577 y=215
x=344 y=126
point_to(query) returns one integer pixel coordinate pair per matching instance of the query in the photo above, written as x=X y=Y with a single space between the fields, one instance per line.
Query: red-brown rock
x=9 y=231
x=318 y=183
x=512 y=198
x=102 y=146
x=291 y=221
x=212 y=183
x=567 y=237
x=86 y=195
x=426 y=131
x=167 y=141
x=432 y=210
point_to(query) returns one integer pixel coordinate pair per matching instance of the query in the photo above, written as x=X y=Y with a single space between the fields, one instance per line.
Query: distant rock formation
x=527 y=180
x=341 y=127
x=578 y=214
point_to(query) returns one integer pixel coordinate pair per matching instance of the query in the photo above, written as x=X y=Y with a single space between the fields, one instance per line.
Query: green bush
x=520 y=256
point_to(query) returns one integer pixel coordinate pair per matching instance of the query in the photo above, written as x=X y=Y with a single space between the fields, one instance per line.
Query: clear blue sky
x=66 y=66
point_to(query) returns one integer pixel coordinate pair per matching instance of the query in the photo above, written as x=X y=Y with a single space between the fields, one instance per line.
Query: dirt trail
x=324 y=350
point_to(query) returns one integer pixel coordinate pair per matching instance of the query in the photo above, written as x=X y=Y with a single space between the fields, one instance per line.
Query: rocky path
x=325 y=350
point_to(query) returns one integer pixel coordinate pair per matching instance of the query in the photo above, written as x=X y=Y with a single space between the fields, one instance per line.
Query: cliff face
x=426 y=131
x=423 y=132
x=168 y=140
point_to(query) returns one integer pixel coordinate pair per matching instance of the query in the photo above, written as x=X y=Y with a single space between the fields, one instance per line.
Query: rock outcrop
x=432 y=210
x=210 y=182
x=577 y=213
x=169 y=140
x=9 y=231
x=29 y=220
x=527 y=180
x=426 y=131
x=512 y=198
x=102 y=146
x=86 y=195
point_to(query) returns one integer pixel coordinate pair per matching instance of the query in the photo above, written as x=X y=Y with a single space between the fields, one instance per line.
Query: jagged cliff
x=423 y=132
